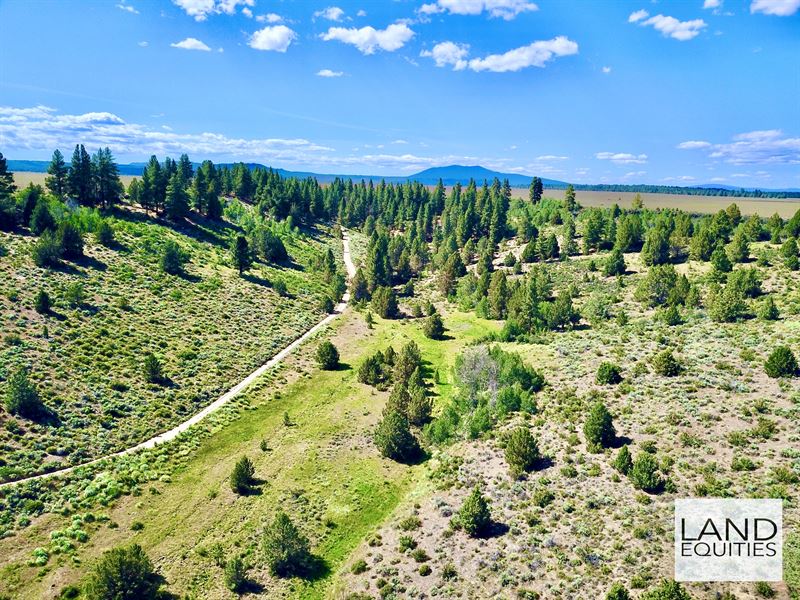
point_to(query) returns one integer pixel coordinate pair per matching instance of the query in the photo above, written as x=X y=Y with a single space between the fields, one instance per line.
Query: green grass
x=209 y=328
x=323 y=470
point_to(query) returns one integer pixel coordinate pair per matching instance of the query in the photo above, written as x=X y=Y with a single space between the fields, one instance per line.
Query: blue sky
x=701 y=91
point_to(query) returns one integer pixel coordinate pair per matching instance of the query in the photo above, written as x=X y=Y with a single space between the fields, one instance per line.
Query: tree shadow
x=620 y=441
x=91 y=263
x=316 y=568
x=257 y=280
x=250 y=586
x=543 y=463
x=493 y=530
x=342 y=367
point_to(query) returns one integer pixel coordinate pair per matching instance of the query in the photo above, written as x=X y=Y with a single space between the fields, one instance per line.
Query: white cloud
x=273 y=37
x=247 y=12
x=144 y=44
x=361 y=13
x=332 y=13
x=670 y=26
x=269 y=18
x=504 y=9
x=622 y=158
x=448 y=53
x=548 y=157
x=637 y=16
x=759 y=147
x=128 y=8
x=779 y=8
x=536 y=54
x=329 y=73
x=712 y=4
x=399 y=142
x=693 y=145
x=191 y=43
x=201 y=9
x=368 y=39
x=41 y=128
x=632 y=174
x=606 y=70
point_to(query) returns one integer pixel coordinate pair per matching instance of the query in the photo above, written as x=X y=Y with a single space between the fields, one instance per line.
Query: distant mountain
x=453 y=174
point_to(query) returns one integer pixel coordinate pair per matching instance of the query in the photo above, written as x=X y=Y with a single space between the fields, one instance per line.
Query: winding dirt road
x=222 y=400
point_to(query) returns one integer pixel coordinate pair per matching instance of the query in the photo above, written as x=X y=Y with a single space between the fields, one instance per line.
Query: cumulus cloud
x=448 y=53
x=712 y=4
x=269 y=18
x=191 y=43
x=769 y=146
x=329 y=73
x=622 y=158
x=778 y=8
x=332 y=13
x=536 y=54
x=693 y=145
x=669 y=26
x=276 y=38
x=201 y=9
x=504 y=9
x=368 y=39
x=606 y=70
x=41 y=128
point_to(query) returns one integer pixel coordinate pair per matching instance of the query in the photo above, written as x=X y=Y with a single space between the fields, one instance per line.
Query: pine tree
x=434 y=327
x=41 y=218
x=358 y=287
x=286 y=549
x=22 y=398
x=105 y=173
x=781 y=363
x=153 y=372
x=394 y=438
x=57 y=171
x=789 y=254
x=176 y=202
x=172 y=258
x=475 y=517
x=522 y=451
x=7 y=187
x=599 y=428
x=240 y=252
x=498 y=295
x=70 y=241
x=535 y=190
x=623 y=462
x=615 y=264
x=79 y=179
x=327 y=356
x=569 y=199
x=242 y=476
x=123 y=574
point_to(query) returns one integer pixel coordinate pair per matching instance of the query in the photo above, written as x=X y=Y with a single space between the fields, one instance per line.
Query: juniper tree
x=599 y=428
x=327 y=356
x=434 y=327
x=475 y=516
x=41 y=218
x=623 y=462
x=124 y=573
x=644 y=473
x=789 y=254
x=521 y=451
x=172 y=258
x=286 y=549
x=70 y=241
x=394 y=438
x=153 y=372
x=240 y=253
x=22 y=397
x=241 y=478
x=781 y=363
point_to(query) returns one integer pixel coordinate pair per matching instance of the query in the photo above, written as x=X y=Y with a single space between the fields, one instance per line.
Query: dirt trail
x=226 y=397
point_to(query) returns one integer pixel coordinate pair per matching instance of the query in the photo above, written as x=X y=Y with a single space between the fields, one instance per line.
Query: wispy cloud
x=778 y=8
x=191 y=43
x=127 y=8
x=504 y=9
x=332 y=13
x=669 y=26
x=368 y=39
x=536 y=54
x=769 y=146
x=622 y=158
x=329 y=73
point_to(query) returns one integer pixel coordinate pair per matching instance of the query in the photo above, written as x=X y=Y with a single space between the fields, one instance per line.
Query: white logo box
x=726 y=539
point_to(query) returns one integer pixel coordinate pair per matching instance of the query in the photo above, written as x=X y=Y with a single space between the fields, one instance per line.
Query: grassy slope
x=210 y=328
x=324 y=470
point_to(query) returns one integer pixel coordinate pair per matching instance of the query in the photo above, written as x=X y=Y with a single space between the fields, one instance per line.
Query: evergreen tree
x=434 y=327
x=22 y=398
x=618 y=592
x=720 y=262
x=41 y=218
x=153 y=372
x=522 y=451
x=789 y=254
x=644 y=473
x=394 y=438
x=7 y=187
x=172 y=258
x=623 y=462
x=286 y=549
x=70 y=241
x=667 y=590
x=569 y=199
x=419 y=405
x=384 y=302
x=176 y=201
x=42 y=302
x=536 y=190
x=185 y=169
x=475 y=517
x=108 y=188
x=235 y=574
x=57 y=171
x=79 y=179
x=327 y=356
x=240 y=252
x=781 y=363
x=615 y=264
x=242 y=476
x=46 y=252
x=655 y=250
x=358 y=287
x=498 y=295
x=768 y=311
x=739 y=248
x=123 y=574
x=599 y=428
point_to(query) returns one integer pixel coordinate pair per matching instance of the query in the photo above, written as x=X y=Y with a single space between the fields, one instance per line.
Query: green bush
x=286 y=549
x=242 y=476
x=664 y=363
x=153 y=372
x=623 y=461
x=172 y=258
x=608 y=374
x=522 y=451
x=105 y=233
x=615 y=264
x=434 y=327
x=767 y=311
x=70 y=241
x=667 y=590
x=122 y=574
x=22 y=398
x=46 y=252
x=618 y=592
x=384 y=302
x=644 y=473
x=235 y=574
x=475 y=517
x=781 y=363
x=327 y=356
x=599 y=428
x=42 y=303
